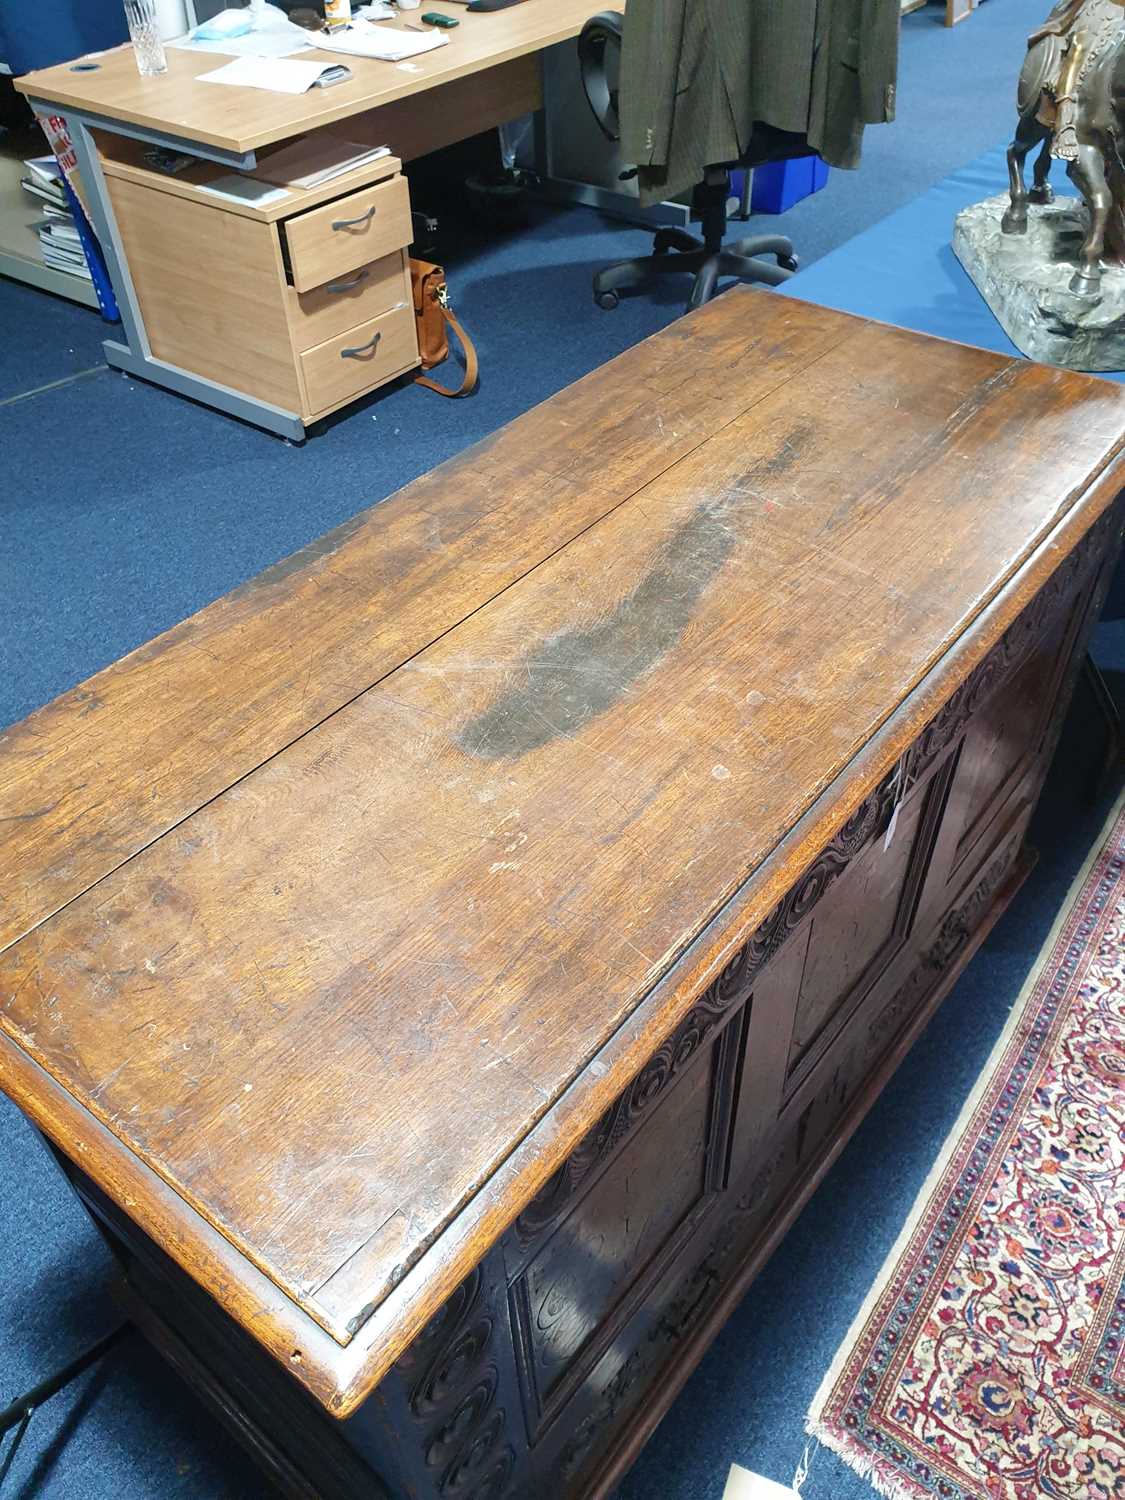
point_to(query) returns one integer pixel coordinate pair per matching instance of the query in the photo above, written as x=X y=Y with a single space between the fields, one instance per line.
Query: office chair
x=675 y=251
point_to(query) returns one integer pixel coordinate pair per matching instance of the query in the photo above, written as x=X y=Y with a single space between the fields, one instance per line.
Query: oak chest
x=445 y=966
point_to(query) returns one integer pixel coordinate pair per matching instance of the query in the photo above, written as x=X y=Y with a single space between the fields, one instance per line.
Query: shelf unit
x=19 y=244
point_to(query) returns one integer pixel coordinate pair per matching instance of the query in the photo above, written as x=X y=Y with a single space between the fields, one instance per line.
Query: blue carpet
x=125 y=508
x=43 y=338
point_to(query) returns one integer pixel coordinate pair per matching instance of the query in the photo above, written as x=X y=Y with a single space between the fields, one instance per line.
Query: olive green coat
x=697 y=74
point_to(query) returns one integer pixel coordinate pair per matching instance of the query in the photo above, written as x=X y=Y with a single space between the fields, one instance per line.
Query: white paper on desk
x=240 y=189
x=282 y=75
x=385 y=42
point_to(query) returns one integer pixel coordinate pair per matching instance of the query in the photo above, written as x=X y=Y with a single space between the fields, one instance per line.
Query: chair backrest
x=599 y=57
x=34 y=34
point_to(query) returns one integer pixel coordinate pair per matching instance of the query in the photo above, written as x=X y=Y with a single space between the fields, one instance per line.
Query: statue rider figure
x=1079 y=28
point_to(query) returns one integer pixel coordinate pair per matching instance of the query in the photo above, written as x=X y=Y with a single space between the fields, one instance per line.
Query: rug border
x=868 y=1467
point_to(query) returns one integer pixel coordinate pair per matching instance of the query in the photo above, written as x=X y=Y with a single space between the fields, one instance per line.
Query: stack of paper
x=361 y=39
x=59 y=242
x=61 y=246
x=315 y=159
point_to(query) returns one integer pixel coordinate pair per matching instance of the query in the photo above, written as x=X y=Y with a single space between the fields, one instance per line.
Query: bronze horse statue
x=1071 y=102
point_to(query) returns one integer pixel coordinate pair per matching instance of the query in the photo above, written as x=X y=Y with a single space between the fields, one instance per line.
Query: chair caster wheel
x=788 y=262
x=607 y=300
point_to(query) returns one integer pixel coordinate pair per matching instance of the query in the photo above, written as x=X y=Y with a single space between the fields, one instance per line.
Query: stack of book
x=59 y=240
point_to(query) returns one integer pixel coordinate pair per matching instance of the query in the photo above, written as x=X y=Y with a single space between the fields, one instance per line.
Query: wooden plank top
x=331 y=919
x=243 y=119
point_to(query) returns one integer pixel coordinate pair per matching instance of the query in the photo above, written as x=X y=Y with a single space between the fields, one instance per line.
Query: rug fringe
x=869 y=1469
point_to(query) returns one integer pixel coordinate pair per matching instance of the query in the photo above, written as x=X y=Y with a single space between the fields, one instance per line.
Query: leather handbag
x=435 y=318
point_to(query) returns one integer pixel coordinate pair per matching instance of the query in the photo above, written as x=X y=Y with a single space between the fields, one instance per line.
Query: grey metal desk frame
x=135 y=355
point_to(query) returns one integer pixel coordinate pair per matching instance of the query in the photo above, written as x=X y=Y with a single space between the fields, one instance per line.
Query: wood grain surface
x=242 y=119
x=212 y=289
x=174 y=723
x=325 y=965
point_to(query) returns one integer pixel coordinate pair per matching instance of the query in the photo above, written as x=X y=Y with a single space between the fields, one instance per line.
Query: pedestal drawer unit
x=525 y=891
x=254 y=296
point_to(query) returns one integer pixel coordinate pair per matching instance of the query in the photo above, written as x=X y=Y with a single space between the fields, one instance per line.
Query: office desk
x=488 y=74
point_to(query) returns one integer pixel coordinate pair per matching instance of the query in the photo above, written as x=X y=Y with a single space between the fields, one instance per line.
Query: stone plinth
x=1025 y=279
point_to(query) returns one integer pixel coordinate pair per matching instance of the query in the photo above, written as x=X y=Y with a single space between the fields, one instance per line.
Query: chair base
x=675 y=252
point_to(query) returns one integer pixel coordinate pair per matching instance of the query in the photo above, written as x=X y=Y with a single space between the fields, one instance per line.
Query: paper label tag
x=891 y=826
x=742 y=1485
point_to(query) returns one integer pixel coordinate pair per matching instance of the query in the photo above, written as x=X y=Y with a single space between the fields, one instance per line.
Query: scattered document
x=240 y=189
x=316 y=159
x=391 y=45
x=282 y=75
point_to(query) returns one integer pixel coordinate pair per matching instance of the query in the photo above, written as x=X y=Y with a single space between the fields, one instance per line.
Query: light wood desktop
x=171 y=245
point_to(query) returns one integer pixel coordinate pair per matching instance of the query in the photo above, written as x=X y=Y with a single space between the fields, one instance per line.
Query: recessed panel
x=1005 y=733
x=613 y=1234
x=853 y=928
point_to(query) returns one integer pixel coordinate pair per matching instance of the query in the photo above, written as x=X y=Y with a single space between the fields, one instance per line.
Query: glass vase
x=144 y=32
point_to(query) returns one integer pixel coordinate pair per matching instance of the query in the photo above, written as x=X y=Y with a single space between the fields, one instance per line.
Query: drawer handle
x=364 y=220
x=362 y=349
x=349 y=285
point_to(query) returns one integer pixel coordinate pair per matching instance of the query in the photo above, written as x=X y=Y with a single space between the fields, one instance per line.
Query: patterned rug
x=989 y=1360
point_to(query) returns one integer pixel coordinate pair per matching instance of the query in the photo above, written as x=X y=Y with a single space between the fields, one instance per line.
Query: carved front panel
x=856 y=930
x=1004 y=737
x=587 y=1275
x=567 y=1291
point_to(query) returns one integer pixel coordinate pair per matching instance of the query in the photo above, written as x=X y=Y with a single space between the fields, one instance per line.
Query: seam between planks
x=440 y=636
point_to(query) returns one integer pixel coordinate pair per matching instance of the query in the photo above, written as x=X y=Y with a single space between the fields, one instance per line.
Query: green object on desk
x=433 y=18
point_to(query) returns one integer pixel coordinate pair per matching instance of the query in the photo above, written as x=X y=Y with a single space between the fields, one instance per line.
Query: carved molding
x=868 y=822
x=454 y=1399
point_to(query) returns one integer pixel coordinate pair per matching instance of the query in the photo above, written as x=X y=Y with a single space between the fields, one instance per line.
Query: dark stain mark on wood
x=787 y=455
x=29 y=817
x=577 y=675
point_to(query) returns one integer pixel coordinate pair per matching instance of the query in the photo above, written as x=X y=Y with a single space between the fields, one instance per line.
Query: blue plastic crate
x=780 y=184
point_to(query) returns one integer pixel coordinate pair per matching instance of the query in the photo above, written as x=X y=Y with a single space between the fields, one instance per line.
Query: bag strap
x=471 y=365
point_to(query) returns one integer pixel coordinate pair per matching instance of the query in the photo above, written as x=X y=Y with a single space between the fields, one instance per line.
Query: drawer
x=348 y=233
x=357 y=297
x=360 y=359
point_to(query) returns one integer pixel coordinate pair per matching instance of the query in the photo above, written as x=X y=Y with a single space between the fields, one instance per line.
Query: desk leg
x=136 y=356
